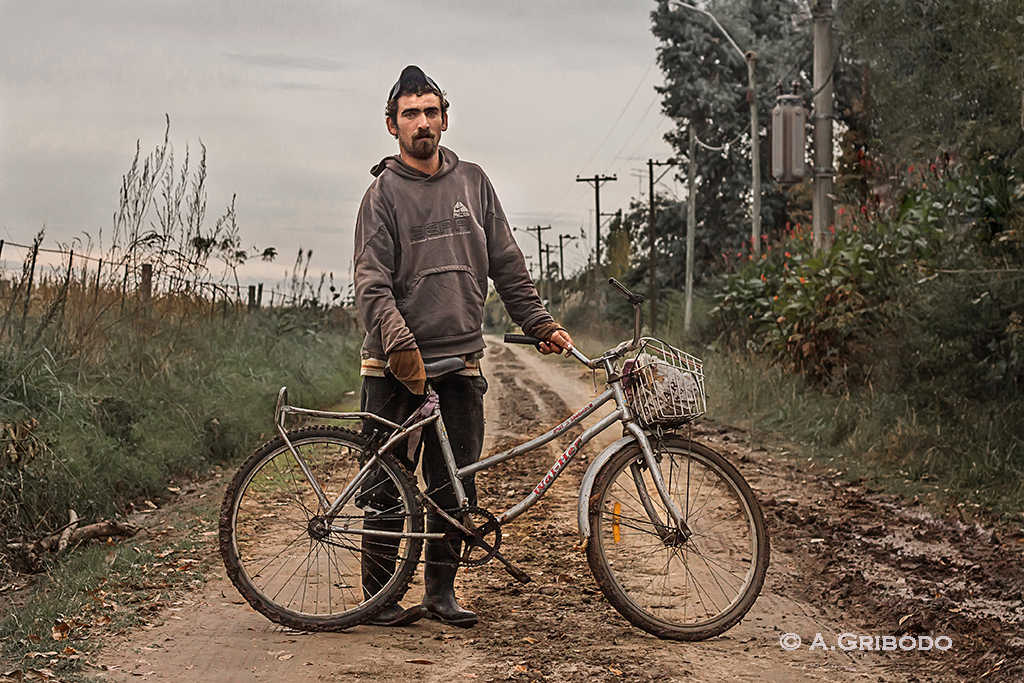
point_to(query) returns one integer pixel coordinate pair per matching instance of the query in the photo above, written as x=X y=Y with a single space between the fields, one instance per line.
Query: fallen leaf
x=519 y=667
x=531 y=641
x=614 y=671
x=60 y=630
x=285 y=657
x=418 y=661
x=904 y=618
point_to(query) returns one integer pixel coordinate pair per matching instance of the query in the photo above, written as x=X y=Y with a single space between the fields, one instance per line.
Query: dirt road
x=845 y=560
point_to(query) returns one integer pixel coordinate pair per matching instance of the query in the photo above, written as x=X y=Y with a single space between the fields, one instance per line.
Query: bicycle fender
x=587 y=485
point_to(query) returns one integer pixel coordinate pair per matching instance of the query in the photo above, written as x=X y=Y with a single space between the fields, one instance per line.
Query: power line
x=568 y=188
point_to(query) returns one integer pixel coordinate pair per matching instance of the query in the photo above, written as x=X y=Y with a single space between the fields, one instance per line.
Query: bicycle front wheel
x=670 y=585
x=296 y=566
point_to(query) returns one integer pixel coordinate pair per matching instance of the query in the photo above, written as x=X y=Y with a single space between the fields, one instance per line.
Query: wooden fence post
x=96 y=293
x=146 y=284
x=259 y=296
x=252 y=298
x=124 y=286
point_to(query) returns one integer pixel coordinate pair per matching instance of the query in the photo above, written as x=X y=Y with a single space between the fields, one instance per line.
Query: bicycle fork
x=672 y=537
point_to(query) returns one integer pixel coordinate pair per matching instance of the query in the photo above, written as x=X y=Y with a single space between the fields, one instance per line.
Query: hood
x=394 y=163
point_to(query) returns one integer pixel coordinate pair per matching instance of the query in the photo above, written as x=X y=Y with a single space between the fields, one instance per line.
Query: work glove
x=555 y=337
x=545 y=331
x=407 y=367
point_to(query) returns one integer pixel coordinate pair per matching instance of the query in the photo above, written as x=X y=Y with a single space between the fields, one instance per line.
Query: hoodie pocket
x=444 y=302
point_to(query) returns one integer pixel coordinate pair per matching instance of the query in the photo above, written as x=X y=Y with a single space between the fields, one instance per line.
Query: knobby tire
x=677 y=589
x=284 y=567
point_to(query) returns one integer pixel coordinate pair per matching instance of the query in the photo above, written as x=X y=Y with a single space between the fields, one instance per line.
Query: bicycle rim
x=673 y=588
x=291 y=564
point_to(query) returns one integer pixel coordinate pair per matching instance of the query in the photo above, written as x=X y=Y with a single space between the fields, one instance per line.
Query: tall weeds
x=124 y=369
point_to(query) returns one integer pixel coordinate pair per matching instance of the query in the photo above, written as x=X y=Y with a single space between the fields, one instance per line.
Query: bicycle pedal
x=517 y=573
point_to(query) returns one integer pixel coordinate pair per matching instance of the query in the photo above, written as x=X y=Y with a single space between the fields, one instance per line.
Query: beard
x=422 y=147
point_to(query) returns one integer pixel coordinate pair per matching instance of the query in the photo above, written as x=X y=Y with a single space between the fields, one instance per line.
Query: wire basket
x=664 y=386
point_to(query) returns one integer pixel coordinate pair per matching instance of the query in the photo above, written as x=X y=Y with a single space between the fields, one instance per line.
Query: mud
x=845 y=560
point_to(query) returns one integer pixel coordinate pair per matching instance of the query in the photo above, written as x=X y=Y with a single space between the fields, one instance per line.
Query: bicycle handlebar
x=522 y=339
x=635 y=299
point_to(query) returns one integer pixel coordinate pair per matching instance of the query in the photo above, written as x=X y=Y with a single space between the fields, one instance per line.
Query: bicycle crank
x=482 y=544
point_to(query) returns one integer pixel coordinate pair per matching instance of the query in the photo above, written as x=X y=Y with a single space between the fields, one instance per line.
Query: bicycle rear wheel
x=671 y=587
x=296 y=567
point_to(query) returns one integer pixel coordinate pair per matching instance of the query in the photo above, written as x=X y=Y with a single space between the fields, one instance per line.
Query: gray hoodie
x=424 y=248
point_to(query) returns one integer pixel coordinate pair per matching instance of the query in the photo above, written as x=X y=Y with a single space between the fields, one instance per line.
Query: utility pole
x=597 y=181
x=755 y=154
x=691 y=226
x=561 y=253
x=651 y=163
x=547 y=268
x=540 y=251
x=823 y=87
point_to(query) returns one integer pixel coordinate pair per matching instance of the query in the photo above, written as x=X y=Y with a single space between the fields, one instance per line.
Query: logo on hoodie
x=459 y=225
x=460 y=211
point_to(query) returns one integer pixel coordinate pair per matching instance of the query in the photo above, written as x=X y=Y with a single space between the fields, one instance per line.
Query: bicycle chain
x=420 y=560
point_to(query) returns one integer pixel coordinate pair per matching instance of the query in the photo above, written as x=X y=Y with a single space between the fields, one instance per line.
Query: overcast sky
x=288 y=99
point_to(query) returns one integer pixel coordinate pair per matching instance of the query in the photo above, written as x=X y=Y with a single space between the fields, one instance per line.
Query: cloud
x=288 y=62
x=310 y=87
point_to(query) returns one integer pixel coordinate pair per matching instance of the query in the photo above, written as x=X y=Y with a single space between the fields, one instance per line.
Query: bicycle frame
x=430 y=412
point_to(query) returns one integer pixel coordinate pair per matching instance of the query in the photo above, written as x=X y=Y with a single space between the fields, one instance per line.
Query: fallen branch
x=105 y=529
x=66 y=534
x=72 y=535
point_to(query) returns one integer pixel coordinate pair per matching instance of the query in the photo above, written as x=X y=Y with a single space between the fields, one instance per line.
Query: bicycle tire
x=674 y=589
x=276 y=557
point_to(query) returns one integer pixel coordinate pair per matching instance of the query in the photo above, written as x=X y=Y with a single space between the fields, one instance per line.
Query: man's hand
x=556 y=339
x=407 y=367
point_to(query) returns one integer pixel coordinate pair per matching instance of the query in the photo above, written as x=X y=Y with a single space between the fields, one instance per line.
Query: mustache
x=422 y=135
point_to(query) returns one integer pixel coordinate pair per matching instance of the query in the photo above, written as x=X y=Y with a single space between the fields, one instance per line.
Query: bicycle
x=674 y=536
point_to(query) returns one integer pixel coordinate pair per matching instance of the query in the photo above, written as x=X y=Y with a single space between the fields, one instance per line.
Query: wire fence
x=131 y=278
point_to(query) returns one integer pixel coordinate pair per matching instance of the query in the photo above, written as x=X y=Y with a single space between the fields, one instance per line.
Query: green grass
x=98 y=589
x=973 y=462
x=971 y=459
x=116 y=430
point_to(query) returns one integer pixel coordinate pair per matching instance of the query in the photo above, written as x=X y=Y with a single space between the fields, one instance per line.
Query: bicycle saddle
x=443 y=366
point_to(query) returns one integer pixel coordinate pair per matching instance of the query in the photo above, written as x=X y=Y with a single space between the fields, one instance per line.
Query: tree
x=706 y=86
x=943 y=75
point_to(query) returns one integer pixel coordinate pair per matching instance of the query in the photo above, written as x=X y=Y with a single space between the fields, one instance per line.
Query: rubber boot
x=439 y=584
x=377 y=566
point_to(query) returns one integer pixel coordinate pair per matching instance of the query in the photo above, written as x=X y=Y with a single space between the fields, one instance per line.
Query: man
x=429 y=233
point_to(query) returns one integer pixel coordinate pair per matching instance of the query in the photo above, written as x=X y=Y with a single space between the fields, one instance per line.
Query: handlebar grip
x=632 y=298
x=522 y=339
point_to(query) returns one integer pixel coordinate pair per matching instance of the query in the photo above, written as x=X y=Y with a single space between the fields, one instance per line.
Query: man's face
x=418 y=125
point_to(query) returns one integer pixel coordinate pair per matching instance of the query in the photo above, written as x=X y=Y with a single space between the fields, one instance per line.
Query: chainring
x=470 y=549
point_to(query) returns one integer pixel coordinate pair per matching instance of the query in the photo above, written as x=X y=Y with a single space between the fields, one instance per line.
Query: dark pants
x=462 y=408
